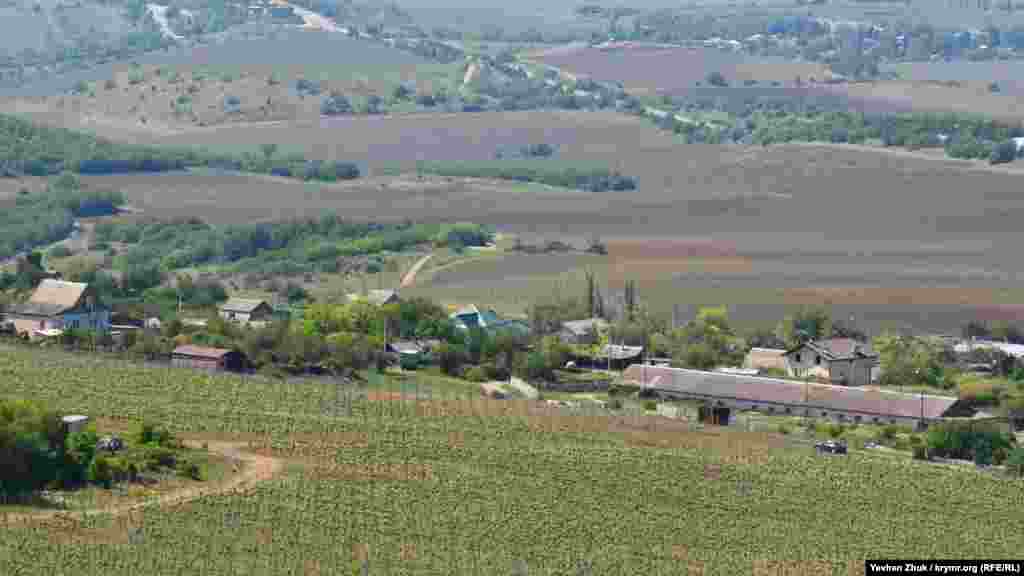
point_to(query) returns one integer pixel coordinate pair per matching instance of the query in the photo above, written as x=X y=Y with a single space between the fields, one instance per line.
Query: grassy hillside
x=475 y=487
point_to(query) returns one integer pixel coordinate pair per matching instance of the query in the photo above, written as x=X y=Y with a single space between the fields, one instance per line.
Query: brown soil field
x=676 y=69
x=708 y=224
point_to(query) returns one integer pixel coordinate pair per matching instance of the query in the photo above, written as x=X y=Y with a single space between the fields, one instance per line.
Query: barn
x=207 y=358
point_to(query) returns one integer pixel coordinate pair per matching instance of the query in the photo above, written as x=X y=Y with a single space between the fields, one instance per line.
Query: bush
x=1003 y=152
x=717 y=79
x=784 y=428
x=100 y=471
x=335 y=104
x=650 y=405
x=475 y=374
x=1015 y=461
x=188 y=468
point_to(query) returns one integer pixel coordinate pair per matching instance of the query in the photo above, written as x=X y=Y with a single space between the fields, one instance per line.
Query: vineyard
x=414 y=477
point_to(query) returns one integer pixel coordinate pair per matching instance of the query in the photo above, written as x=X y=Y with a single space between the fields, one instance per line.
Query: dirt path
x=255 y=469
x=410 y=276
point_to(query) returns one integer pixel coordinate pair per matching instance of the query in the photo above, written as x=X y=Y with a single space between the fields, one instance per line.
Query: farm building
x=765 y=359
x=472 y=317
x=615 y=357
x=378 y=297
x=837 y=360
x=57 y=305
x=728 y=392
x=582 y=332
x=207 y=358
x=246 y=311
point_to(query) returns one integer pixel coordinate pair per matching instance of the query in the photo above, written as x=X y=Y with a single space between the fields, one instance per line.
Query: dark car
x=831 y=447
x=110 y=444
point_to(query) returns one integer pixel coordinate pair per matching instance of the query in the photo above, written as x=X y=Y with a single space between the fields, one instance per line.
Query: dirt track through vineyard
x=255 y=468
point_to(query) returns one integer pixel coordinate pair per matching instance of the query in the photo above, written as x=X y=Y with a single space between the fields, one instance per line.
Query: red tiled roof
x=201 y=352
x=871 y=401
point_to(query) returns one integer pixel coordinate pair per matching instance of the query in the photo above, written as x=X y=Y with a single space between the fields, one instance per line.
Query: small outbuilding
x=74 y=423
x=582 y=332
x=207 y=358
x=246 y=311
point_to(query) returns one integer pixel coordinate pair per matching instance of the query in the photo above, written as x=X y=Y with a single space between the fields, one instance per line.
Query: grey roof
x=617 y=352
x=838 y=348
x=581 y=327
x=378 y=297
x=405 y=347
x=243 y=305
x=863 y=400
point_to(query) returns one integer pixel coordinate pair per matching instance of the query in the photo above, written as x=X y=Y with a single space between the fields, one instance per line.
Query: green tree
x=806 y=324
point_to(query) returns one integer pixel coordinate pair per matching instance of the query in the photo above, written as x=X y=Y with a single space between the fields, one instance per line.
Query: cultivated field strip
x=472 y=486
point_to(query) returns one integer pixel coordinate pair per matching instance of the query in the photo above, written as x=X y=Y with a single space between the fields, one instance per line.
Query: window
x=857 y=418
x=789 y=410
x=817 y=360
x=824 y=414
x=798 y=359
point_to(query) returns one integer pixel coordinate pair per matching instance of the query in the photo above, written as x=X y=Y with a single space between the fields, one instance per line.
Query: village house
x=582 y=332
x=56 y=306
x=246 y=311
x=837 y=360
x=472 y=317
x=207 y=358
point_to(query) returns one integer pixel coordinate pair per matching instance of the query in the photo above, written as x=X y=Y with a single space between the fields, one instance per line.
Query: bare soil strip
x=255 y=468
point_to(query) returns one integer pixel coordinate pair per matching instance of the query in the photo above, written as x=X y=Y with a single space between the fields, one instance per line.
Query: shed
x=582 y=331
x=245 y=311
x=207 y=358
x=74 y=423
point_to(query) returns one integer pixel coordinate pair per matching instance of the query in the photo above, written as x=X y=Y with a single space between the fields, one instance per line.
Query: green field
x=475 y=487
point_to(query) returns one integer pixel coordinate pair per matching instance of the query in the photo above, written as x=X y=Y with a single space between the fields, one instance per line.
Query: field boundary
x=256 y=468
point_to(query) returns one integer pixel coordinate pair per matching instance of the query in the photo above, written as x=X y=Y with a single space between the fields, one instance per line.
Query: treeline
x=49 y=216
x=27 y=148
x=591 y=179
x=276 y=247
x=960 y=135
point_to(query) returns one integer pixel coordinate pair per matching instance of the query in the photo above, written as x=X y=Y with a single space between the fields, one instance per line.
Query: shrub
x=188 y=468
x=1015 y=461
x=335 y=104
x=650 y=405
x=475 y=374
x=100 y=472
x=836 y=430
x=615 y=404
x=784 y=428
x=717 y=79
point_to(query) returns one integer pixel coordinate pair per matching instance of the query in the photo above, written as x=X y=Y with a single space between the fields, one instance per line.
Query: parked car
x=110 y=444
x=831 y=447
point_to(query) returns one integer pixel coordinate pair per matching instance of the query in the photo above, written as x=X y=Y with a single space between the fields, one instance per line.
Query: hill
x=456 y=484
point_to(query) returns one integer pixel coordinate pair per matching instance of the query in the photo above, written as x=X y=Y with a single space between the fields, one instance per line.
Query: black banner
x=943 y=567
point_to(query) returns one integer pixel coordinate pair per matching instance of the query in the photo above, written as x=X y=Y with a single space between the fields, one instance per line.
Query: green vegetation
x=48 y=216
x=37 y=454
x=36 y=150
x=960 y=135
x=278 y=247
x=412 y=486
x=591 y=179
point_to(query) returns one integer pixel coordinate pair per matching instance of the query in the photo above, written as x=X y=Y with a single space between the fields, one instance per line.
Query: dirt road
x=410 y=276
x=254 y=469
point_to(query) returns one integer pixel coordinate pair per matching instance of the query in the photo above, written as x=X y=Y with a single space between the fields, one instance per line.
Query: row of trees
x=591 y=179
